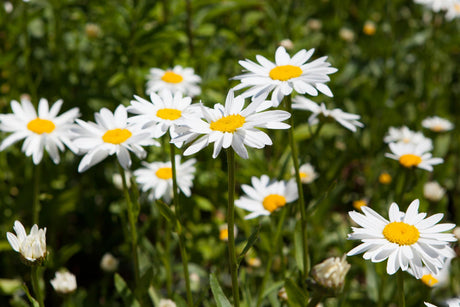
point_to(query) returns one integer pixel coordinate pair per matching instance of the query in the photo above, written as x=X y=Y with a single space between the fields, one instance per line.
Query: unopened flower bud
x=433 y=191
x=109 y=263
x=330 y=273
x=64 y=282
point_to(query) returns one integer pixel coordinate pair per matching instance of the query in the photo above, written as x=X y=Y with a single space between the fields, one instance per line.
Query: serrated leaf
x=219 y=296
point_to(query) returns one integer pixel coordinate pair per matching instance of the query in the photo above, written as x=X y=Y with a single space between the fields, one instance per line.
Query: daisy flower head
x=232 y=125
x=437 y=124
x=407 y=240
x=45 y=131
x=405 y=135
x=307 y=173
x=32 y=247
x=436 y=5
x=453 y=10
x=110 y=134
x=156 y=178
x=176 y=79
x=265 y=196
x=347 y=120
x=285 y=75
x=413 y=155
x=64 y=282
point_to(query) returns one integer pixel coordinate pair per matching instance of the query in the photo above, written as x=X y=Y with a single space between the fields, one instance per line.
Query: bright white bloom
x=453 y=10
x=437 y=124
x=411 y=155
x=433 y=191
x=45 y=131
x=453 y=302
x=109 y=263
x=64 y=282
x=264 y=197
x=156 y=177
x=285 y=75
x=436 y=5
x=307 y=173
x=348 y=120
x=331 y=272
x=163 y=112
x=177 y=79
x=408 y=240
x=32 y=247
x=111 y=134
x=407 y=136
x=232 y=125
x=429 y=304
x=166 y=303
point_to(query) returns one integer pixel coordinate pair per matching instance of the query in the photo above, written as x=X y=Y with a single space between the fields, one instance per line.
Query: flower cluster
x=451 y=7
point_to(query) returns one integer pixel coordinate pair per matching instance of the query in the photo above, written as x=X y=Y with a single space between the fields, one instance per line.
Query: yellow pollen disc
x=457 y=7
x=409 y=160
x=401 y=233
x=385 y=178
x=303 y=175
x=172 y=77
x=164 y=173
x=40 y=126
x=228 y=123
x=223 y=235
x=171 y=114
x=273 y=202
x=285 y=72
x=438 y=128
x=429 y=280
x=359 y=203
x=116 y=136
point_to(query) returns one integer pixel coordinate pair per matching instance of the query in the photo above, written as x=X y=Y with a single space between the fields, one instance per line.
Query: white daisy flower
x=347 y=120
x=436 y=5
x=453 y=302
x=64 y=282
x=453 y=10
x=285 y=75
x=413 y=155
x=111 y=134
x=156 y=178
x=162 y=112
x=177 y=79
x=437 y=124
x=307 y=173
x=45 y=131
x=435 y=280
x=407 y=136
x=408 y=240
x=264 y=197
x=232 y=125
x=32 y=247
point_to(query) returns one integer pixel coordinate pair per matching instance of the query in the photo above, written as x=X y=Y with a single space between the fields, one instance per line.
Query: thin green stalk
x=401 y=298
x=231 y=225
x=36 y=200
x=183 y=251
x=191 y=48
x=295 y=161
x=36 y=285
x=167 y=258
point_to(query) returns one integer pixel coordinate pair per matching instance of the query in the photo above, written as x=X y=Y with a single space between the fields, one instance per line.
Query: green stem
x=36 y=200
x=167 y=258
x=231 y=225
x=36 y=286
x=401 y=298
x=295 y=161
x=189 y=31
x=183 y=251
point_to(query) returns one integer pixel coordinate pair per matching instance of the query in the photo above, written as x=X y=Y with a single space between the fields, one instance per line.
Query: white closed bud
x=166 y=303
x=287 y=43
x=32 y=247
x=64 y=282
x=331 y=272
x=109 y=263
x=433 y=191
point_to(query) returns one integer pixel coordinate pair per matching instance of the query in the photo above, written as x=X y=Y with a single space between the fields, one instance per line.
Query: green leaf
x=298 y=246
x=219 y=295
x=125 y=292
x=9 y=286
x=251 y=240
x=31 y=299
x=166 y=211
x=296 y=297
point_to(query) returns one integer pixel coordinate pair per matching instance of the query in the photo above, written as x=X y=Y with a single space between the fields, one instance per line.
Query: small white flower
x=348 y=120
x=32 y=247
x=64 y=282
x=437 y=124
x=109 y=263
x=285 y=75
x=407 y=240
x=264 y=197
x=453 y=10
x=407 y=136
x=411 y=155
x=232 y=125
x=435 y=280
x=436 y=5
x=45 y=131
x=166 y=303
x=307 y=173
x=331 y=272
x=156 y=177
x=433 y=191
x=111 y=134
x=177 y=79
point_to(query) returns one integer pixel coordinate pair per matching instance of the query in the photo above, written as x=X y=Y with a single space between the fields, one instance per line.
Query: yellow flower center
x=409 y=160
x=273 y=202
x=437 y=128
x=40 y=126
x=369 y=28
x=429 y=280
x=172 y=77
x=116 y=136
x=357 y=204
x=223 y=235
x=171 y=114
x=401 y=233
x=164 y=173
x=285 y=72
x=303 y=175
x=457 y=7
x=385 y=178
x=228 y=123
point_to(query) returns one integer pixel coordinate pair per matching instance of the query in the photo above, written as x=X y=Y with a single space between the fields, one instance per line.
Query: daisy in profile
x=347 y=120
x=177 y=79
x=32 y=247
x=413 y=155
x=408 y=240
x=307 y=173
x=232 y=125
x=265 y=196
x=285 y=75
x=156 y=178
x=45 y=131
x=111 y=134
x=437 y=124
x=405 y=135
x=162 y=112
